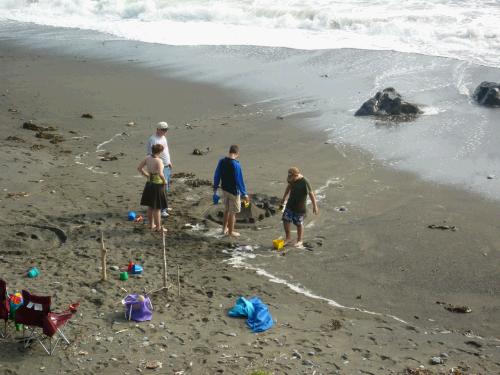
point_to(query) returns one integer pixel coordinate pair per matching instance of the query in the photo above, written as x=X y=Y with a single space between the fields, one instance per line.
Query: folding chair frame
x=3 y=299
x=34 y=335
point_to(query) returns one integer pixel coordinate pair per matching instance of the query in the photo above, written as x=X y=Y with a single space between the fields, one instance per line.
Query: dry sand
x=72 y=195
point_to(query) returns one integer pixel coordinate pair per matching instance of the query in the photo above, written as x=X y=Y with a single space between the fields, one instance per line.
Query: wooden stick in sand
x=164 y=262
x=103 y=258
x=178 y=282
x=165 y=276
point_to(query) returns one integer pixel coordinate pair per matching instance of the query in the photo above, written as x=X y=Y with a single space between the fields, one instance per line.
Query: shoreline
x=105 y=91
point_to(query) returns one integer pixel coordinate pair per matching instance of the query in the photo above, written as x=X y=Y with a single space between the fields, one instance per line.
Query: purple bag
x=138 y=307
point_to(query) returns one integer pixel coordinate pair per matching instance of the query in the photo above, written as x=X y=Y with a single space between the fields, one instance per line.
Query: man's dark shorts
x=292 y=217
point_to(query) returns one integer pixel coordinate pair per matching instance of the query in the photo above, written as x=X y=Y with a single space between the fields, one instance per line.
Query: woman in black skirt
x=154 y=195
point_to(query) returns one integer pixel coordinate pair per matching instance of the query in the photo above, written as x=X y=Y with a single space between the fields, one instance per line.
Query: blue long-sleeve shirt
x=229 y=172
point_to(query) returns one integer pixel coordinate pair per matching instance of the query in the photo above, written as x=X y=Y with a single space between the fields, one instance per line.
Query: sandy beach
x=385 y=267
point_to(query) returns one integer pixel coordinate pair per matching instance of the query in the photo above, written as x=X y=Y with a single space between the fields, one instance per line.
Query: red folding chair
x=4 y=306
x=35 y=314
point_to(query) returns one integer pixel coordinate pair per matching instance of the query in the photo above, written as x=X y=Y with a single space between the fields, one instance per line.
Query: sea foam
x=467 y=31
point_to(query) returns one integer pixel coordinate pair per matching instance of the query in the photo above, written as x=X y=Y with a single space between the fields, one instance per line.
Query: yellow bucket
x=279 y=244
x=246 y=204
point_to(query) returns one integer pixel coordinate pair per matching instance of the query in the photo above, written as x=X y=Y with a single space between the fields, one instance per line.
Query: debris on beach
x=487 y=94
x=13 y=138
x=417 y=371
x=436 y=361
x=461 y=309
x=87 y=115
x=13 y=110
x=29 y=125
x=151 y=365
x=198 y=152
x=108 y=157
x=54 y=138
x=20 y=194
x=388 y=103
x=443 y=227
x=341 y=209
x=37 y=147
x=131 y=123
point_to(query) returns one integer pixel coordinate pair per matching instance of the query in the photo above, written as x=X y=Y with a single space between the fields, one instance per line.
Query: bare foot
x=299 y=244
x=160 y=230
x=224 y=231
x=288 y=242
x=234 y=234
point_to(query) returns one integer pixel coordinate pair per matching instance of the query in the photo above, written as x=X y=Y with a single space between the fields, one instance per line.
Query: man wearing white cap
x=160 y=138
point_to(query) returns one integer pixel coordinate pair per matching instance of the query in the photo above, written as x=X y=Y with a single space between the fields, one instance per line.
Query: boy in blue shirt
x=228 y=173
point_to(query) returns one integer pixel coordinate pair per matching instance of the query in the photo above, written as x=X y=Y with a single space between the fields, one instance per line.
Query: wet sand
x=72 y=195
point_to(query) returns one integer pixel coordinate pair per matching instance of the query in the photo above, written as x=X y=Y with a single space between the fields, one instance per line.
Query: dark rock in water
x=487 y=94
x=388 y=102
x=197 y=151
x=87 y=115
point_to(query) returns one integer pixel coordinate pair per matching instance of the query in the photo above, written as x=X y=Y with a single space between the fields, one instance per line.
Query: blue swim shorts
x=292 y=217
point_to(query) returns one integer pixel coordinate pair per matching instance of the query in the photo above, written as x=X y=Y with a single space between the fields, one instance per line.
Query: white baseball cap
x=162 y=125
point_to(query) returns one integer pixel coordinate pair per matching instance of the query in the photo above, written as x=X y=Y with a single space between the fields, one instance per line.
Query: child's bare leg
x=300 y=235
x=150 y=218
x=288 y=237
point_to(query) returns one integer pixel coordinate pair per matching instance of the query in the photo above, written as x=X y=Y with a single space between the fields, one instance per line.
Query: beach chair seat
x=4 y=307
x=40 y=324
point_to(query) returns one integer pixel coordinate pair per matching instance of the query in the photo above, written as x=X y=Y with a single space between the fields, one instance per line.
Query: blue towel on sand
x=258 y=316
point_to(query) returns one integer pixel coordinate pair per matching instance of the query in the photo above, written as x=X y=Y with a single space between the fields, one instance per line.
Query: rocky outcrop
x=386 y=103
x=487 y=94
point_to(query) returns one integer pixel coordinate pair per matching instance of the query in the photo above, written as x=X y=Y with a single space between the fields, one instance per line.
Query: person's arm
x=162 y=175
x=217 y=176
x=141 y=170
x=285 y=195
x=168 y=162
x=312 y=196
x=149 y=146
x=240 y=184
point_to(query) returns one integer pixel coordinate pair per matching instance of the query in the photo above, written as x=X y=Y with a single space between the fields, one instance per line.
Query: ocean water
x=464 y=29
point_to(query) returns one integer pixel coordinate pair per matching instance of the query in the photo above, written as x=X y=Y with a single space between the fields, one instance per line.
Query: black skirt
x=154 y=196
